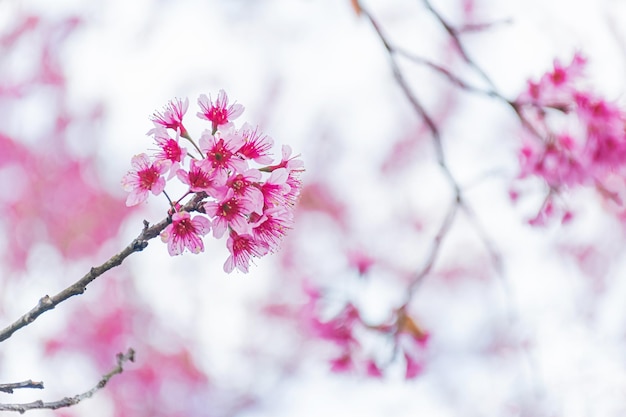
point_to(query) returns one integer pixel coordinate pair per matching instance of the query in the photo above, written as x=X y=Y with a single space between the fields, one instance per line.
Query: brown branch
x=47 y=303
x=496 y=258
x=418 y=277
x=454 y=34
x=454 y=79
x=419 y=109
x=8 y=388
x=70 y=401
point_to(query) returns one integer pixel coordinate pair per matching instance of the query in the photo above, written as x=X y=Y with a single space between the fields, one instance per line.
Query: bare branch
x=47 y=303
x=419 y=276
x=70 y=401
x=419 y=109
x=454 y=34
x=8 y=388
x=454 y=79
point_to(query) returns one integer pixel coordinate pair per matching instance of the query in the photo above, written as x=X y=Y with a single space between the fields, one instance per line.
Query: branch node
x=46 y=302
x=139 y=245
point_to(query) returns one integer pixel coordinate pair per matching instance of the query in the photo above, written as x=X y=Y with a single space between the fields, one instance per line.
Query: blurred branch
x=454 y=35
x=445 y=72
x=419 y=276
x=479 y=27
x=8 y=388
x=47 y=303
x=437 y=139
x=459 y=203
x=415 y=103
x=70 y=401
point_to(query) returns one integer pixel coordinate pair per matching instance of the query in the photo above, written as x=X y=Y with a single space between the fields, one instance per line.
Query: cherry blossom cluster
x=575 y=137
x=347 y=330
x=241 y=191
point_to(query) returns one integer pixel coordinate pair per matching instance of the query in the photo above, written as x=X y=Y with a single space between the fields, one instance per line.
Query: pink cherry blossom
x=341 y=364
x=221 y=152
x=201 y=177
x=245 y=185
x=256 y=146
x=172 y=116
x=218 y=112
x=275 y=188
x=242 y=249
x=169 y=149
x=230 y=212
x=373 y=370
x=295 y=186
x=339 y=329
x=144 y=177
x=254 y=205
x=413 y=366
x=272 y=227
x=575 y=138
x=185 y=232
x=555 y=87
x=288 y=161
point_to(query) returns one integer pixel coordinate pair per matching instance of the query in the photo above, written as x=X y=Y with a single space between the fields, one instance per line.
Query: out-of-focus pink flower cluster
x=347 y=329
x=575 y=137
x=253 y=204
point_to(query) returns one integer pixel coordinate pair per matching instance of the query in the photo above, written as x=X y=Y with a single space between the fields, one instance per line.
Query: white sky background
x=307 y=69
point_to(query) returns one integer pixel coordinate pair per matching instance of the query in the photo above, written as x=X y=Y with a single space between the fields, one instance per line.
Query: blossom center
x=147 y=178
x=184 y=227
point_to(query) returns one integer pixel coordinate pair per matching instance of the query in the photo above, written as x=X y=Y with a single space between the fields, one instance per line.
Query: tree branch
x=8 y=388
x=420 y=110
x=47 y=303
x=417 y=278
x=70 y=401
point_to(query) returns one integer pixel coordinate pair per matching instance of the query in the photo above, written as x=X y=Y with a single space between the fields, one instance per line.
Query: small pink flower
x=339 y=329
x=242 y=249
x=185 y=232
x=256 y=146
x=276 y=188
x=342 y=364
x=230 y=212
x=272 y=227
x=373 y=370
x=145 y=176
x=288 y=161
x=221 y=152
x=172 y=116
x=244 y=185
x=169 y=149
x=295 y=186
x=413 y=366
x=219 y=113
x=556 y=87
x=199 y=178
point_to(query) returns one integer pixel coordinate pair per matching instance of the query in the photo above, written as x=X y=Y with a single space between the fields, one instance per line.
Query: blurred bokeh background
x=520 y=320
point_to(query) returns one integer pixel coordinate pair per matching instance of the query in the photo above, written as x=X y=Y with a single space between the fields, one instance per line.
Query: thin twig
x=47 y=303
x=459 y=203
x=454 y=34
x=479 y=27
x=418 y=277
x=416 y=104
x=9 y=388
x=70 y=401
x=436 y=134
x=454 y=79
